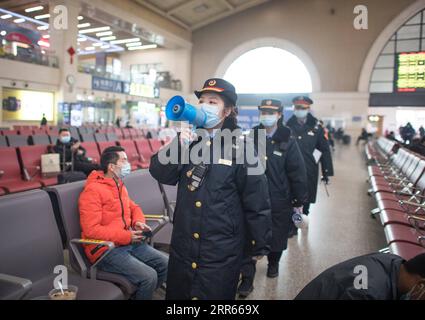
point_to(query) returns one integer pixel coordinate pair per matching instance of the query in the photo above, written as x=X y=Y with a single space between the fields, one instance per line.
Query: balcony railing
x=34 y=58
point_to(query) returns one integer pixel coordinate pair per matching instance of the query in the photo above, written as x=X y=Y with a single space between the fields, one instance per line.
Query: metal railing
x=40 y=59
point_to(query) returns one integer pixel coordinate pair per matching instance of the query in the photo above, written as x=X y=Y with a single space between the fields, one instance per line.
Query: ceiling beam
x=223 y=15
x=181 y=6
x=163 y=14
x=228 y=4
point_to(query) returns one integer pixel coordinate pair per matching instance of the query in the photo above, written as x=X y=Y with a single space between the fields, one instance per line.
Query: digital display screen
x=410 y=72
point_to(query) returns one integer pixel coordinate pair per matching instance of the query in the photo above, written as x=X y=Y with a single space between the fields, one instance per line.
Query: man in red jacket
x=107 y=213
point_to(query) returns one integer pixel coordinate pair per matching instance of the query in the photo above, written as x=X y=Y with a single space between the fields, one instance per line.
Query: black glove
x=325 y=179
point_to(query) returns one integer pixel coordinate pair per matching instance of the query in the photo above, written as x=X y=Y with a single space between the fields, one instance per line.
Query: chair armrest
x=416 y=220
x=408 y=193
x=414 y=204
x=421 y=240
x=1 y=174
x=162 y=219
x=22 y=287
x=93 y=269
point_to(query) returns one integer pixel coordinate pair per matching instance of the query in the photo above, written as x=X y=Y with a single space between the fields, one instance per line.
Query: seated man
x=377 y=276
x=107 y=213
x=69 y=147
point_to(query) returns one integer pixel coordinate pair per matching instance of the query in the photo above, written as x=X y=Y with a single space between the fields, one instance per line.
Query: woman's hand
x=187 y=136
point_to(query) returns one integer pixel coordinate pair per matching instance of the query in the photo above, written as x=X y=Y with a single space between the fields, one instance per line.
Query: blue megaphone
x=178 y=109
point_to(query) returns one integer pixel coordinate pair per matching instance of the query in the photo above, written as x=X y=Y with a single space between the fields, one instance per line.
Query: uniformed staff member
x=213 y=221
x=287 y=178
x=377 y=276
x=313 y=144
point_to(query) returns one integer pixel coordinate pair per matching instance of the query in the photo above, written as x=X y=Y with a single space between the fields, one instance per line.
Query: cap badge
x=212 y=83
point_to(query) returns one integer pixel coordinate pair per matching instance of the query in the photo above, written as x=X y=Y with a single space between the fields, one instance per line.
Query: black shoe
x=245 y=288
x=273 y=271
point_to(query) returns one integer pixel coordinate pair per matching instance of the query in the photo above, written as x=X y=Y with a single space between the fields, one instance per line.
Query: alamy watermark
x=361 y=21
x=226 y=147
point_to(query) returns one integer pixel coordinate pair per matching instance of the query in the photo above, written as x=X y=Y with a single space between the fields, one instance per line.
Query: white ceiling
x=194 y=14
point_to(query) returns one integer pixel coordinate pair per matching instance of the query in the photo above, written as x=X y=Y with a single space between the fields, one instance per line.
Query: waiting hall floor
x=340 y=229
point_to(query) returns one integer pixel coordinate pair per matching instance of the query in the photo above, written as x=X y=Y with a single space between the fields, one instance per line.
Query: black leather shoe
x=245 y=288
x=272 y=271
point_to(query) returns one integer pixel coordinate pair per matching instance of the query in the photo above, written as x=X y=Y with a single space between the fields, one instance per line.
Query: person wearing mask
x=314 y=148
x=287 y=179
x=376 y=276
x=220 y=207
x=107 y=213
x=67 y=147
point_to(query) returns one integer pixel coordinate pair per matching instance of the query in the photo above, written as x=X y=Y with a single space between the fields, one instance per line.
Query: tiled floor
x=340 y=228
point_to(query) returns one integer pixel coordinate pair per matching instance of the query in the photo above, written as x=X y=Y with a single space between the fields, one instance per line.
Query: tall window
x=269 y=70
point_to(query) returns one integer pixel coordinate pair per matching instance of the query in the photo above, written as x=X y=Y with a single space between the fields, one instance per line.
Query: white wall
x=342 y=105
x=392 y=122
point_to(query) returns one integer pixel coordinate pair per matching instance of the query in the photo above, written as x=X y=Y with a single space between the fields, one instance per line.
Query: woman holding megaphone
x=222 y=210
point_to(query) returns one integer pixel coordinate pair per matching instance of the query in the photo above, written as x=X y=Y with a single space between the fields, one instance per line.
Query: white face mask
x=301 y=114
x=213 y=115
x=268 y=120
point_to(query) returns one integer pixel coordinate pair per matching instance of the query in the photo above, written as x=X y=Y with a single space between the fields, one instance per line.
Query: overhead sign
x=410 y=72
x=142 y=90
x=109 y=85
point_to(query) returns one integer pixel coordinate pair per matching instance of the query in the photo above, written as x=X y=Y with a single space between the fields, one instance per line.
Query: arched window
x=269 y=70
x=410 y=37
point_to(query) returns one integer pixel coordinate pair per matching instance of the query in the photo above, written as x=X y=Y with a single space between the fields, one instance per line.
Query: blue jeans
x=142 y=265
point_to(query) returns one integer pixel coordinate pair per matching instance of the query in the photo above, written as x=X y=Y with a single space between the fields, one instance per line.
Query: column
x=61 y=42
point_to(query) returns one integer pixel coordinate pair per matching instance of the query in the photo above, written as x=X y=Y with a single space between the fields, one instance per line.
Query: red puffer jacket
x=106 y=213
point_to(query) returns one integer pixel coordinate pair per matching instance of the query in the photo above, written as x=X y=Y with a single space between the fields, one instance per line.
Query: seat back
x=30 y=244
x=9 y=164
x=64 y=198
x=9 y=132
x=17 y=140
x=104 y=145
x=74 y=133
x=419 y=172
x=92 y=151
x=130 y=150
x=118 y=133
x=30 y=158
x=134 y=133
x=400 y=158
x=53 y=132
x=171 y=196
x=156 y=144
x=126 y=133
x=100 y=137
x=40 y=131
x=111 y=136
x=410 y=165
x=144 y=190
x=144 y=149
x=40 y=140
x=88 y=137
x=3 y=141
x=26 y=132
